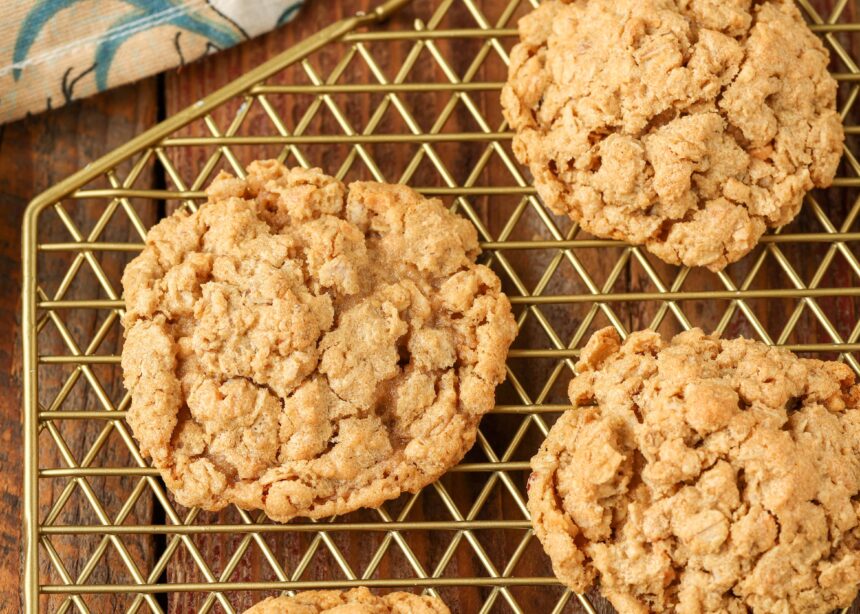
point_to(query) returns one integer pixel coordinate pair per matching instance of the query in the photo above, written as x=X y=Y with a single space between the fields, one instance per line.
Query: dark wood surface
x=38 y=151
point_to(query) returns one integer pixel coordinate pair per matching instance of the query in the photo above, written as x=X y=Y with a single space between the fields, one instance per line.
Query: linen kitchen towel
x=55 y=51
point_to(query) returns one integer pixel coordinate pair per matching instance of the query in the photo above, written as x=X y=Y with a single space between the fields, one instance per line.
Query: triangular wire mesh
x=416 y=101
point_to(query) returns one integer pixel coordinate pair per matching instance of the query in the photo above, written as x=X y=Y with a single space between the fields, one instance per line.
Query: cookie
x=703 y=475
x=686 y=126
x=306 y=349
x=356 y=601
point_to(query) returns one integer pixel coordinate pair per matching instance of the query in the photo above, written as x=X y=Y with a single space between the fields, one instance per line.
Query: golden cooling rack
x=102 y=534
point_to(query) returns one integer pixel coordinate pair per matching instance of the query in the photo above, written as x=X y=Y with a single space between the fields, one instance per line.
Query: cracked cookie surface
x=307 y=349
x=703 y=475
x=687 y=126
x=355 y=601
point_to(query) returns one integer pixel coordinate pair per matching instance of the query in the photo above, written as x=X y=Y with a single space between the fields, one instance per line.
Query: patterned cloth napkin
x=55 y=51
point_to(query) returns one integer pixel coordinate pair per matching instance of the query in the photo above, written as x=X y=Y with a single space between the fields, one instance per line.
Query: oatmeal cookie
x=355 y=601
x=687 y=126
x=307 y=349
x=703 y=475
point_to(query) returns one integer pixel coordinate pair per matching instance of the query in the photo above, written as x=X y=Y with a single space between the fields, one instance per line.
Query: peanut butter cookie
x=687 y=126
x=703 y=475
x=304 y=349
x=356 y=601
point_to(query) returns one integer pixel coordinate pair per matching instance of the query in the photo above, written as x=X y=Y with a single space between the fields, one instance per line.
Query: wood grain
x=36 y=152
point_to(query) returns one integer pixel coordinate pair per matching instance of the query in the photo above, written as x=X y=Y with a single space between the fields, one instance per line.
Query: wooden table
x=38 y=151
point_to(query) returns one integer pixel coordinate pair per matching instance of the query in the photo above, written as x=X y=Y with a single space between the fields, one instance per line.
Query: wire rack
x=102 y=533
